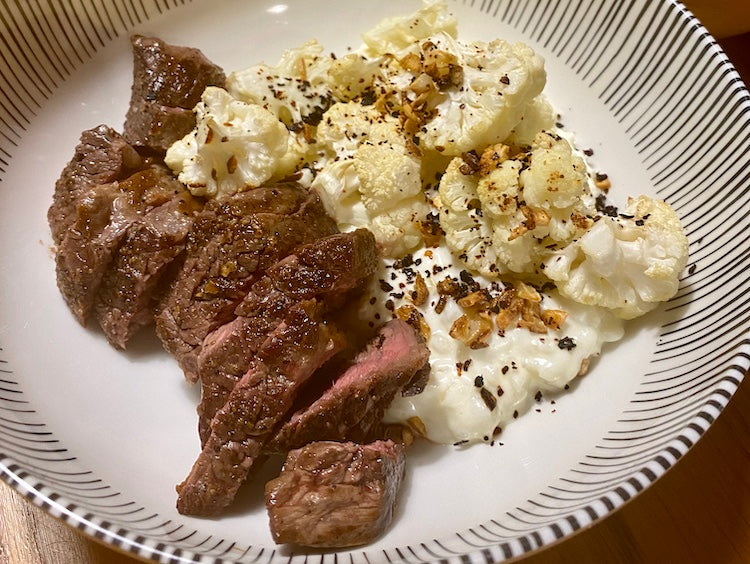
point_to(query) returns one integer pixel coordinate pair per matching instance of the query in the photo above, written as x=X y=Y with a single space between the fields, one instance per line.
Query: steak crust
x=231 y=244
x=325 y=269
x=287 y=359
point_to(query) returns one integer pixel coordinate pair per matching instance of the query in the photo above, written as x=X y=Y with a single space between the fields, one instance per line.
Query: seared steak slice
x=101 y=157
x=104 y=214
x=126 y=296
x=332 y=494
x=326 y=268
x=168 y=81
x=353 y=407
x=231 y=244
x=289 y=356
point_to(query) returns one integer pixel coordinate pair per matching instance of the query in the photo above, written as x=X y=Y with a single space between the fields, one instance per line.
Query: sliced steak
x=231 y=244
x=101 y=157
x=104 y=214
x=332 y=494
x=168 y=81
x=353 y=407
x=127 y=294
x=289 y=356
x=326 y=269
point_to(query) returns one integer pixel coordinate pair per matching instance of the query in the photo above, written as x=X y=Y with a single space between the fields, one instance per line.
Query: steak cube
x=168 y=81
x=332 y=494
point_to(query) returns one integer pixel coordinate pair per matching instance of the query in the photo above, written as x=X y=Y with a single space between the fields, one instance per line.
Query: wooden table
x=698 y=512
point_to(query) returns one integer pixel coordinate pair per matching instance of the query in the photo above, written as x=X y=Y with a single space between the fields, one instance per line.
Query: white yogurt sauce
x=513 y=368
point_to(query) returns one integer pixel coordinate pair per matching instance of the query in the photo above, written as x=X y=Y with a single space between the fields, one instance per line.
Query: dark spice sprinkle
x=538 y=396
x=373 y=300
x=567 y=386
x=505 y=369
x=368 y=98
x=496 y=431
x=397 y=295
x=600 y=177
x=461 y=442
x=403 y=262
x=515 y=414
x=639 y=222
x=603 y=207
x=467 y=363
x=385 y=286
x=566 y=343
x=500 y=391
x=489 y=400
x=479 y=381
x=389 y=305
x=588 y=152
x=692 y=269
x=504 y=79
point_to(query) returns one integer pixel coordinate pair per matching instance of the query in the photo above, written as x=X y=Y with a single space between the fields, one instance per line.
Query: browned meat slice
x=104 y=215
x=127 y=293
x=353 y=407
x=101 y=157
x=332 y=494
x=289 y=356
x=325 y=269
x=168 y=81
x=231 y=244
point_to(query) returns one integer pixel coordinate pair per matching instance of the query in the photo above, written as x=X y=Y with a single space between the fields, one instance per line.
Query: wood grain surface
x=699 y=512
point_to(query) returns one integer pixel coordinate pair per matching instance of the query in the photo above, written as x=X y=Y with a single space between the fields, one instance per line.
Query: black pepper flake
x=389 y=305
x=500 y=391
x=639 y=222
x=692 y=269
x=470 y=164
x=600 y=177
x=461 y=442
x=567 y=387
x=566 y=343
x=515 y=414
x=588 y=152
x=368 y=98
x=385 y=286
x=373 y=300
x=479 y=381
x=538 y=396
x=496 y=431
x=505 y=369
x=489 y=400
x=603 y=207
x=504 y=79
x=404 y=262
x=467 y=363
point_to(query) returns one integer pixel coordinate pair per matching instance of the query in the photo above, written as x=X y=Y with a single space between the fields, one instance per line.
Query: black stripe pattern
x=689 y=124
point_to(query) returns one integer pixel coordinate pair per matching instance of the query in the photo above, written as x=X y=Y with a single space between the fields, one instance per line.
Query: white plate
x=100 y=438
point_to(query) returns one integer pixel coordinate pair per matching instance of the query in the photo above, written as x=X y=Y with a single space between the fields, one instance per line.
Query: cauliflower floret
x=479 y=95
x=467 y=232
x=539 y=115
x=369 y=176
x=351 y=75
x=626 y=264
x=234 y=146
x=388 y=174
x=394 y=35
x=296 y=90
x=556 y=179
x=502 y=217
